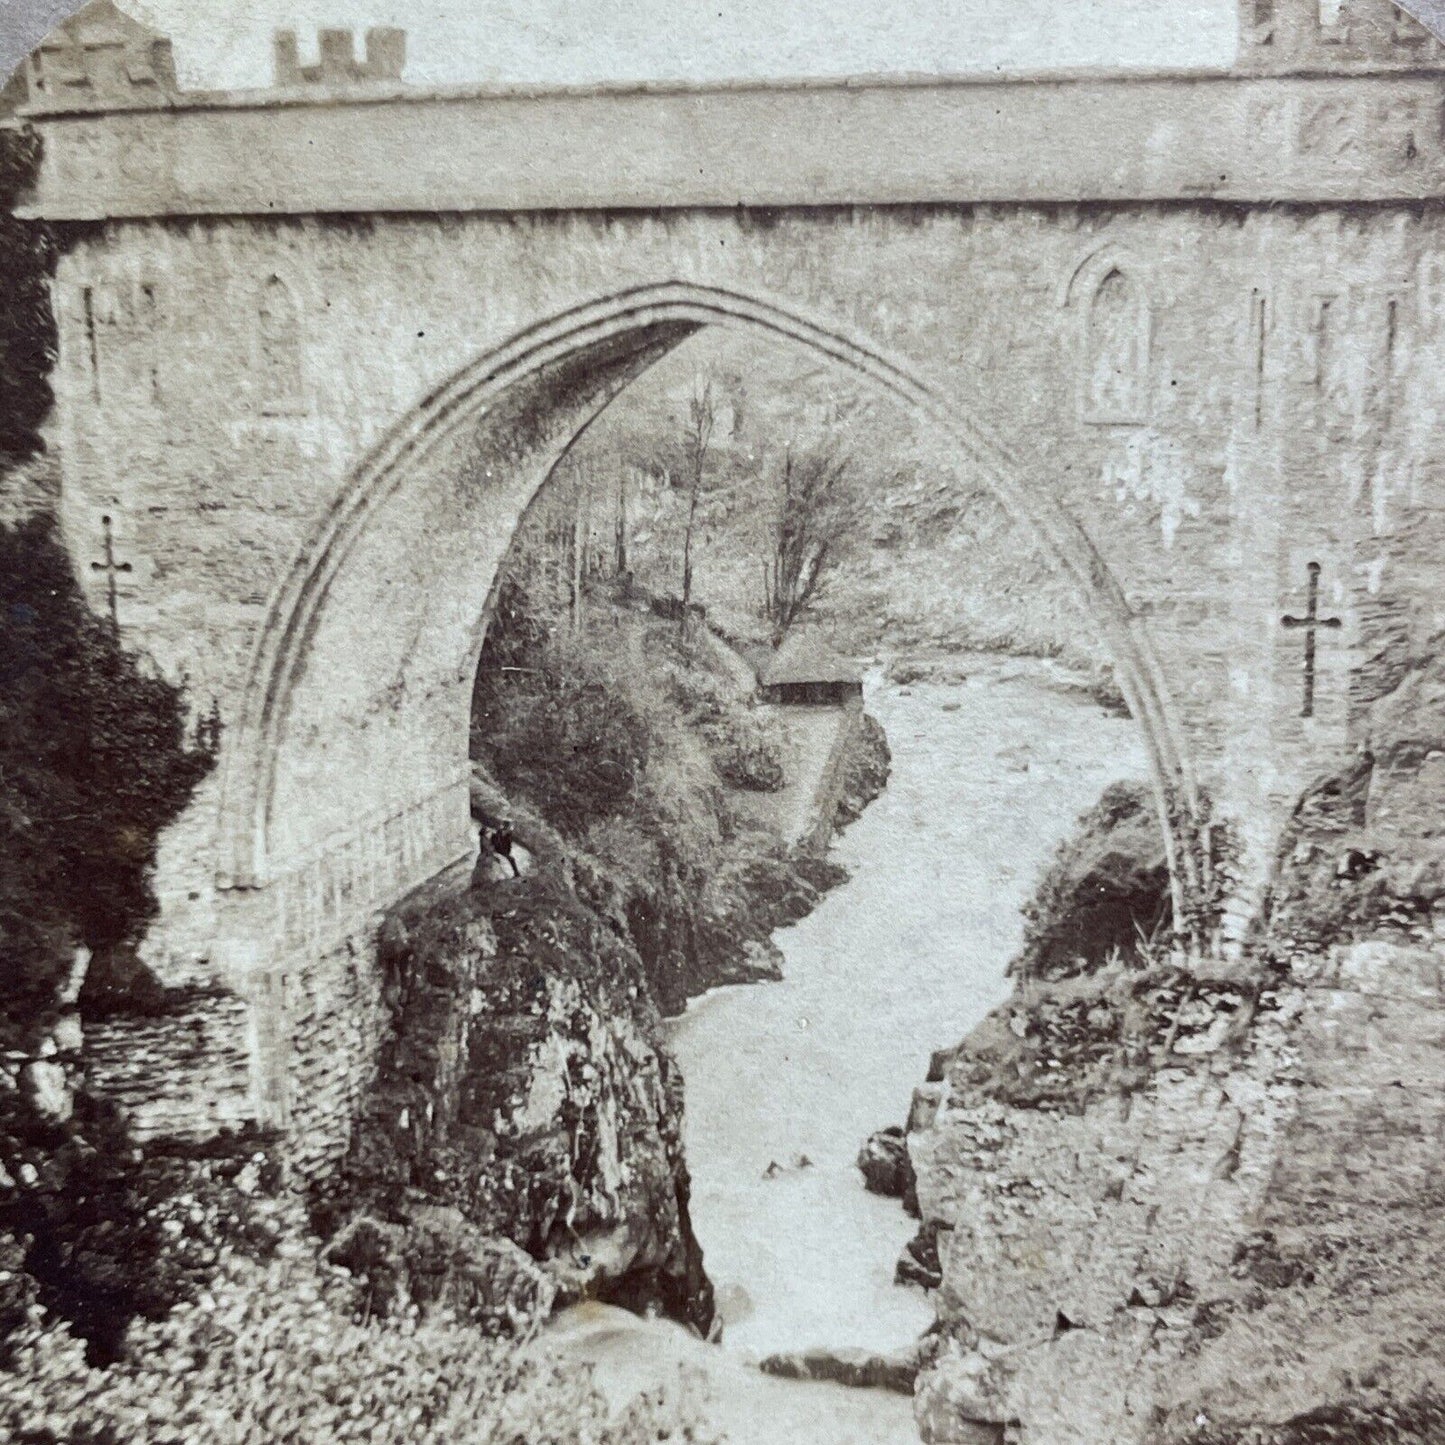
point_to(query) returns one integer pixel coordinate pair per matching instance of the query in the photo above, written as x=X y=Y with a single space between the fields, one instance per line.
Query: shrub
x=552 y=723
x=108 y=1232
x=279 y=1352
x=1416 y=1421
x=746 y=751
x=1106 y=890
x=27 y=326
x=96 y=763
x=633 y=745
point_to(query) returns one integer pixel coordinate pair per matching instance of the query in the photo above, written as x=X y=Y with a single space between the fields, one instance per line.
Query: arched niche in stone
x=280 y=350
x=1112 y=326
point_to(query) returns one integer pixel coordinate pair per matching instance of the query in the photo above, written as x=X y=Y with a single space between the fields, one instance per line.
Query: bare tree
x=619 y=524
x=702 y=417
x=581 y=528
x=817 y=510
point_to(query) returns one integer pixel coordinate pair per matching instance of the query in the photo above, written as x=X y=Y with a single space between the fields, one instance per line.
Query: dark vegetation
x=818 y=515
x=1065 y=1046
x=1106 y=894
x=27 y=328
x=1103 y=992
x=94 y=763
x=634 y=745
x=93 y=755
x=1419 y=1421
x=98 y=1231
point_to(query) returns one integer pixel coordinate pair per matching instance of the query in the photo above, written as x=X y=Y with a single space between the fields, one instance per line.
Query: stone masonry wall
x=1222 y=396
x=1280 y=405
x=183 y=1074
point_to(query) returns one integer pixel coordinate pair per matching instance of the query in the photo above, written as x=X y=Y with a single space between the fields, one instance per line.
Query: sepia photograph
x=722 y=724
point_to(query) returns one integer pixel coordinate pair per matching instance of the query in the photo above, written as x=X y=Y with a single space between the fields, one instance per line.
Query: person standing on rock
x=502 y=839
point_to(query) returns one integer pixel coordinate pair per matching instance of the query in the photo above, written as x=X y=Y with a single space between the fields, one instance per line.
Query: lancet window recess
x=90 y=312
x=120 y=339
x=1260 y=321
x=1114 y=383
x=280 y=363
x=1430 y=292
x=1326 y=358
x=150 y=322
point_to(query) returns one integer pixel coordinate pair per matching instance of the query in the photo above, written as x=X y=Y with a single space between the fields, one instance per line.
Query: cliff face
x=527 y=1111
x=1178 y=1205
x=527 y=1088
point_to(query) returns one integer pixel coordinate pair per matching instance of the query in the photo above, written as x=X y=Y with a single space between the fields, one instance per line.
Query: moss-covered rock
x=526 y=1084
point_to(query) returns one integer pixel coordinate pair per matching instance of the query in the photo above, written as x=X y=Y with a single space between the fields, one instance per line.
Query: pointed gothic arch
x=483 y=443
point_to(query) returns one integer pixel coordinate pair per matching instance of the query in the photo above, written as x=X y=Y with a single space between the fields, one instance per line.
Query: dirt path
x=812 y=734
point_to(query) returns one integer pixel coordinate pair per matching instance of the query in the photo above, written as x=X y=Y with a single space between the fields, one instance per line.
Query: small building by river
x=805 y=670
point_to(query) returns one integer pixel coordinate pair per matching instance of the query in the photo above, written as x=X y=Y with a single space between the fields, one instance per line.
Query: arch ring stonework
x=280 y=656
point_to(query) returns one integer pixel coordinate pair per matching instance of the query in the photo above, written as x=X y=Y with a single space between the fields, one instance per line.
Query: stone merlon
x=337 y=65
x=99 y=60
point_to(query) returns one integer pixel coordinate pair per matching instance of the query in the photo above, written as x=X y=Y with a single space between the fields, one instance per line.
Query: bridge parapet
x=383 y=147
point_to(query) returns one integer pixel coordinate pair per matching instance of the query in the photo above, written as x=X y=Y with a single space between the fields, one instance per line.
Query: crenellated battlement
x=337 y=64
x=1331 y=35
x=100 y=60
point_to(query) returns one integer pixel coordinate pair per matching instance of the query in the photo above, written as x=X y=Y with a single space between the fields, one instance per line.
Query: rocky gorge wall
x=520 y=1143
x=525 y=1085
x=1200 y=1204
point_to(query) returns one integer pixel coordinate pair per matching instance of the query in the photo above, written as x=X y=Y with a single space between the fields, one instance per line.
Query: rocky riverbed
x=785 y=1080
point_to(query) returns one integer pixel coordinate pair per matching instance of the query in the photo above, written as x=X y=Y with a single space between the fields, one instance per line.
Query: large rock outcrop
x=527 y=1087
x=1203 y=1208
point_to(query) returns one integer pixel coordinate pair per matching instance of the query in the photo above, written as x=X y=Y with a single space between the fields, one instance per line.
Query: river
x=905 y=957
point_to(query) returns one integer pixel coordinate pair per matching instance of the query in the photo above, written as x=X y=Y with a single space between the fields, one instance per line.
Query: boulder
x=939 y=1063
x=437 y=1260
x=45 y=1087
x=885 y=1164
x=858 y=1369
x=919 y=1263
x=959 y=1400
x=67 y=1034
x=758 y=961
x=927 y=1098
x=525 y=1082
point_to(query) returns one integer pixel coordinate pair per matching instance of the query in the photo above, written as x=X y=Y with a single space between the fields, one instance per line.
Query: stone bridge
x=321 y=345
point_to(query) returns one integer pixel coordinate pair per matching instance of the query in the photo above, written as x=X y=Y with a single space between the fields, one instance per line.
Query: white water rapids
x=905 y=957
